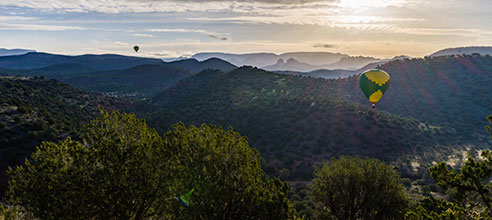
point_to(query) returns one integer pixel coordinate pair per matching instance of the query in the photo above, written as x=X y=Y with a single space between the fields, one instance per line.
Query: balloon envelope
x=136 y=48
x=374 y=84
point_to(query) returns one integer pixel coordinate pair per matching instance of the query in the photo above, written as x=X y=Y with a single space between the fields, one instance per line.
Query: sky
x=175 y=28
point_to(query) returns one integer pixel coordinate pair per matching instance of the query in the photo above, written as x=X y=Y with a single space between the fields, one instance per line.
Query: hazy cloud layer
x=258 y=1
x=200 y=31
x=143 y=35
x=35 y=27
x=182 y=27
x=139 y=6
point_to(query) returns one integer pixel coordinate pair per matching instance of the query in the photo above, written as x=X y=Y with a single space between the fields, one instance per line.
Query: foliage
x=120 y=171
x=301 y=199
x=293 y=121
x=430 y=208
x=140 y=82
x=34 y=109
x=13 y=213
x=446 y=91
x=472 y=182
x=487 y=127
x=350 y=188
x=470 y=189
x=124 y=170
x=226 y=175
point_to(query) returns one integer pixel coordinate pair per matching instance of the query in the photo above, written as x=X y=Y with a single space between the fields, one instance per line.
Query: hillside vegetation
x=141 y=81
x=295 y=122
x=33 y=110
x=450 y=91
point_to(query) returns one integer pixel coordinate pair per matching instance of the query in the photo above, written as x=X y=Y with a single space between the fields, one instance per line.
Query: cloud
x=144 y=35
x=327 y=13
x=200 y=31
x=177 y=30
x=325 y=45
x=121 y=43
x=15 y=18
x=36 y=27
x=467 y=32
x=261 y=1
x=138 y=6
x=160 y=54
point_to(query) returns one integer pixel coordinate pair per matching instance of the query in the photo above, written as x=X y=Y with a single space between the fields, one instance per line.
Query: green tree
x=351 y=188
x=487 y=127
x=226 y=175
x=124 y=170
x=430 y=208
x=472 y=183
x=118 y=172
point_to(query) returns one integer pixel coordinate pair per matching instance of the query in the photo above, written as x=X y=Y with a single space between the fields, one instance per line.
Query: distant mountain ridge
x=294 y=61
x=482 y=50
x=345 y=63
x=290 y=65
x=36 y=60
x=340 y=73
x=198 y=66
x=149 y=77
x=42 y=61
x=11 y=52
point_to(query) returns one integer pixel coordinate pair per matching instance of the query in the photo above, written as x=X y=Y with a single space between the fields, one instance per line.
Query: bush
x=350 y=188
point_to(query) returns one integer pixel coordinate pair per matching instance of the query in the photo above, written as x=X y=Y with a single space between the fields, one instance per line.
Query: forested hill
x=34 y=109
x=453 y=91
x=98 y=62
x=196 y=66
x=110 y=74
x=294 y=121
x=140 y=81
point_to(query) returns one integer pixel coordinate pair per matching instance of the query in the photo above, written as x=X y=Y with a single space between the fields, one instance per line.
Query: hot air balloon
x=136 y=48
x=374 y=84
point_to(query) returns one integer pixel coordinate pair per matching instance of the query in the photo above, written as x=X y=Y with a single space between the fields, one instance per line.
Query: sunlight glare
x=358 y=4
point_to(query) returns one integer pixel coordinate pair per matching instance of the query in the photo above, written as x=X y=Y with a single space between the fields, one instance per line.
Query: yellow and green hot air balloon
x=374 y=84
x=136 y=48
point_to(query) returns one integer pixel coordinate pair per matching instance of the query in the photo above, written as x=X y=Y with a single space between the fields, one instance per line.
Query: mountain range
x=295 y=121
x=346 y=63
x=35 y=60
x=296 y=61
x=11 y=52
x=340 y=73
x=435 y=107
x=113 y=75
x=463 y=50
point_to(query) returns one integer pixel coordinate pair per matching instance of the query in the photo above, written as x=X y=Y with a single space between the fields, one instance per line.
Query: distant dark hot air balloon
x=136 y=48
x=374 y=84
